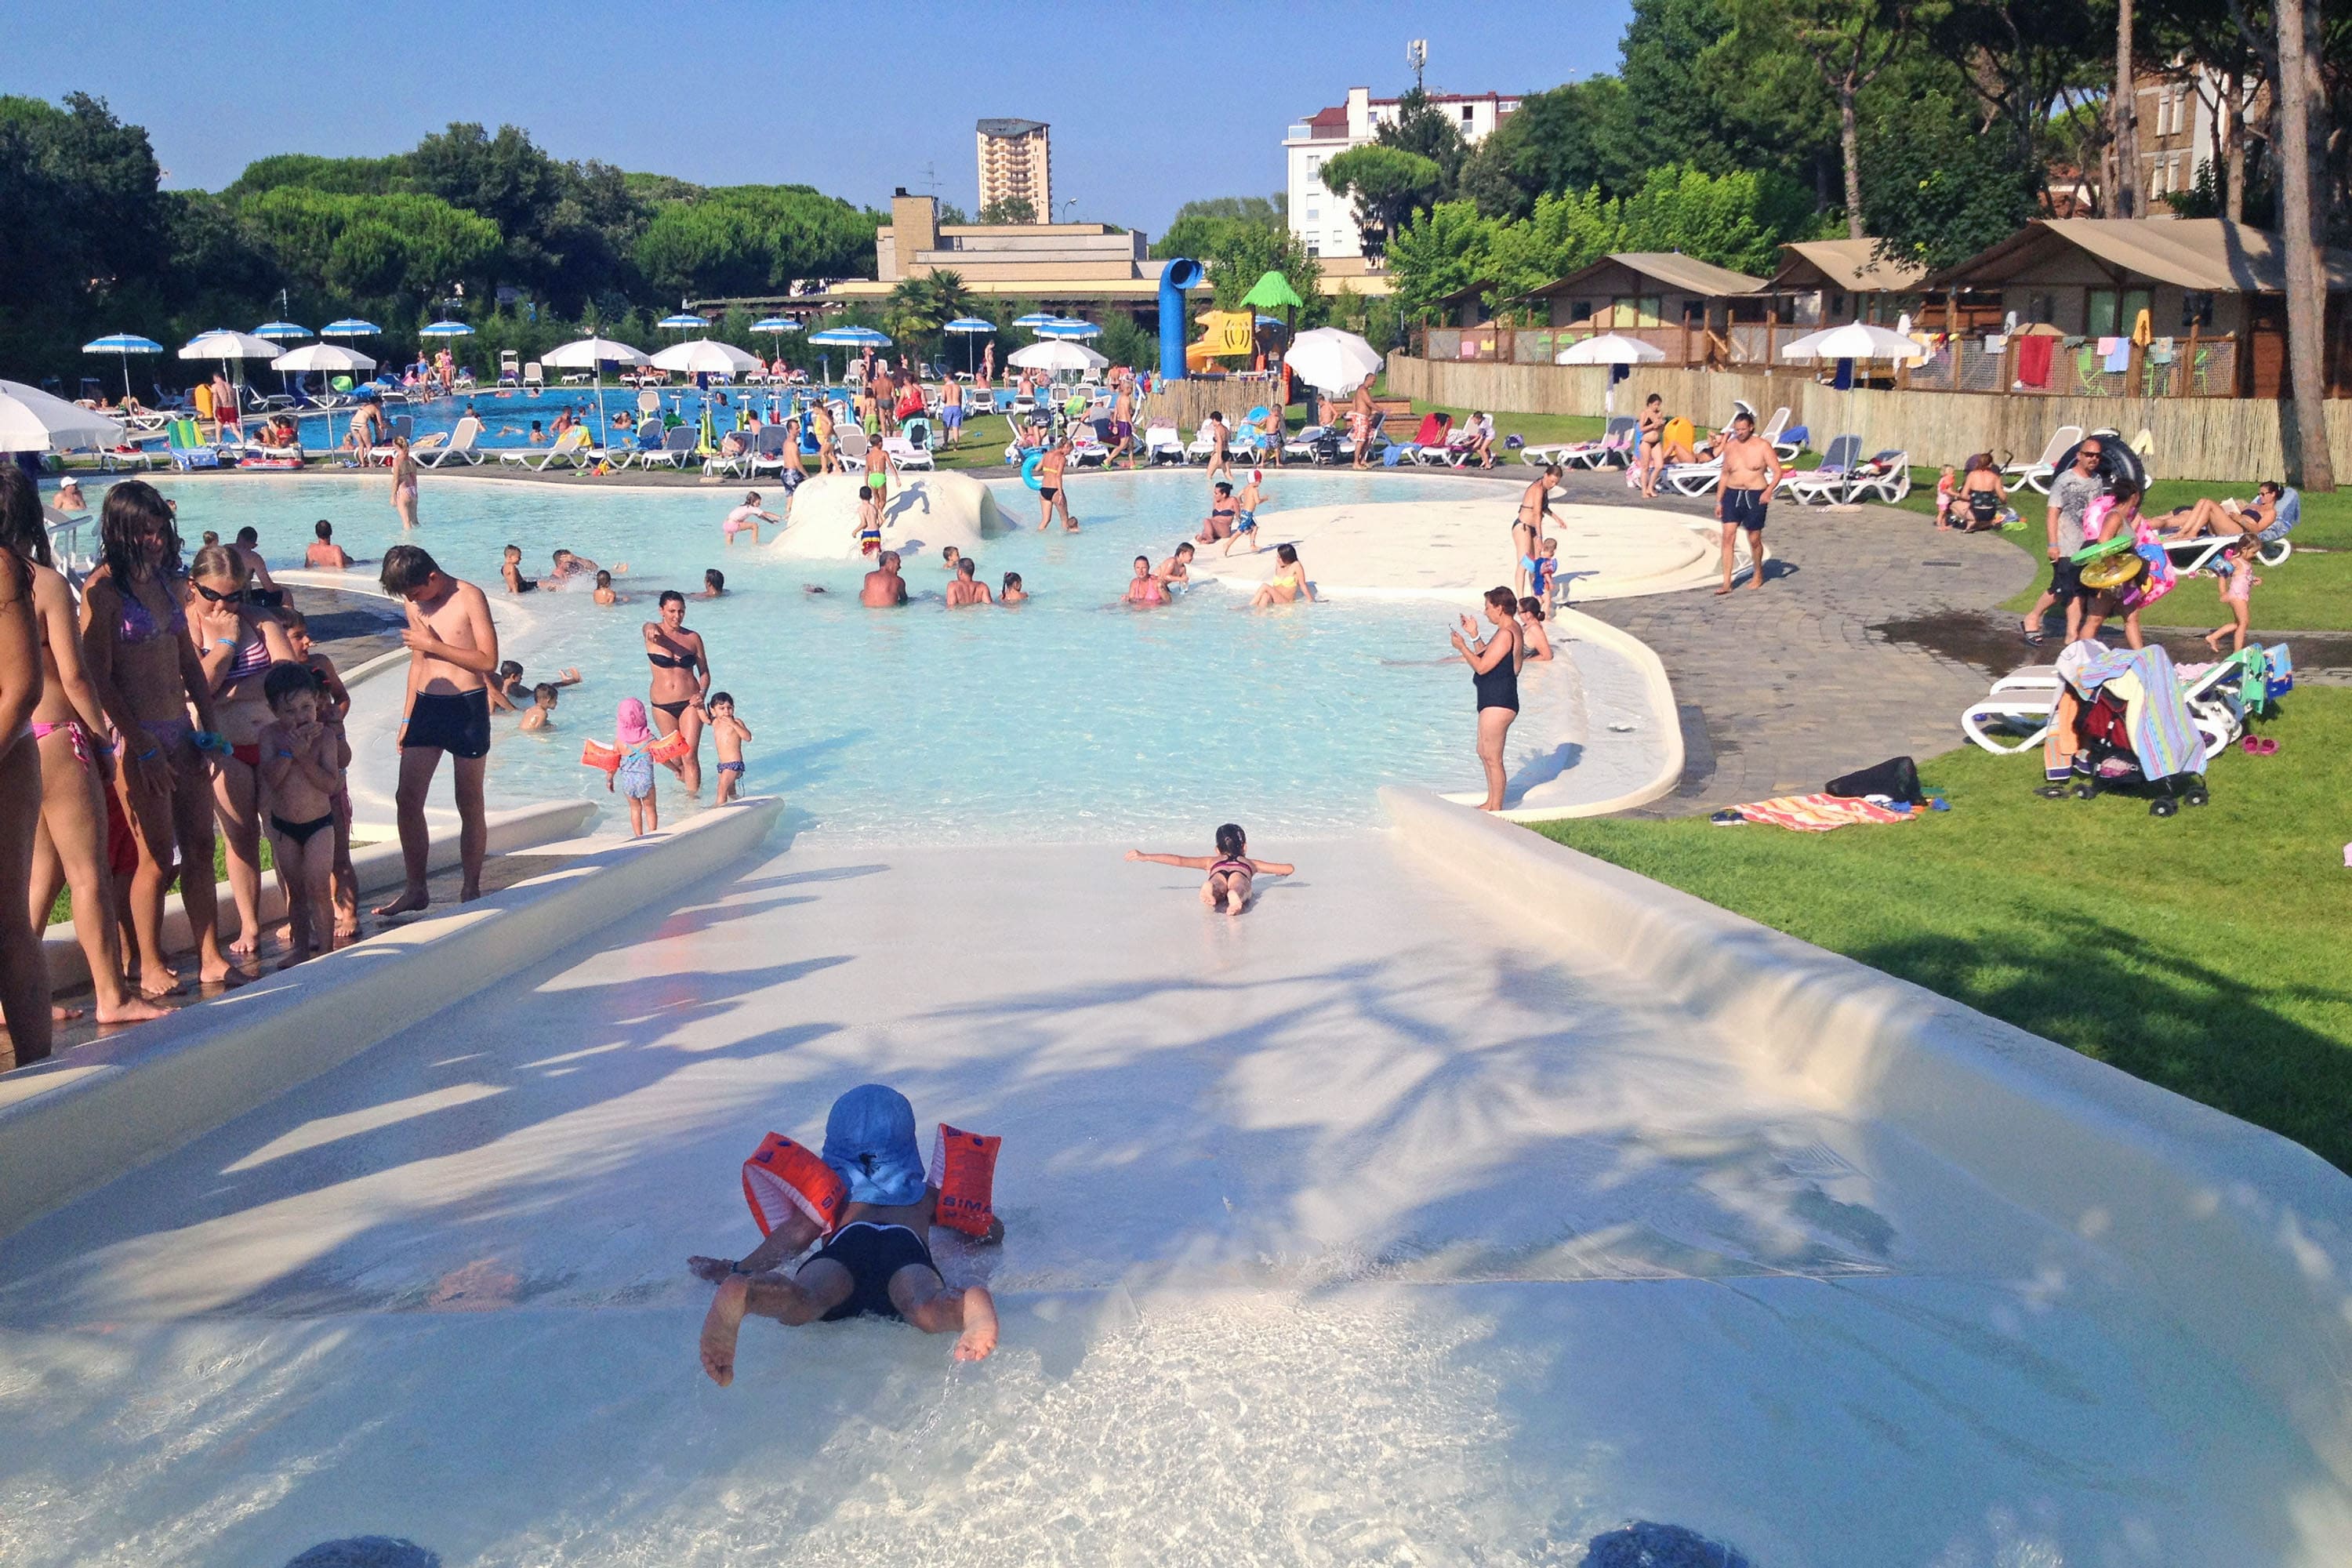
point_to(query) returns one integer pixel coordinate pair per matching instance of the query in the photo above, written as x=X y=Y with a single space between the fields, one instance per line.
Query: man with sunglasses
x=2078 y=486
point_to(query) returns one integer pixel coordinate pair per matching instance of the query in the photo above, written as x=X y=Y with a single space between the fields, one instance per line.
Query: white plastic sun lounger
x=2037 y=474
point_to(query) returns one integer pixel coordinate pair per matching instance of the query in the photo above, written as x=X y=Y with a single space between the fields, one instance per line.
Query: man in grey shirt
x=2069 y=492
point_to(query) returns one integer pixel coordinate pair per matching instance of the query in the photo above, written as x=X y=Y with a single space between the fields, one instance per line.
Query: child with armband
x=302 y=769
x=868 y=1197
x=633 y=740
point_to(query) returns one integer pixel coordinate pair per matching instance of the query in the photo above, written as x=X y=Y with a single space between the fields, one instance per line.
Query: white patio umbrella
x=1332 y=360
x=587 y=355
x=704 y=356
x=31 y=420
x=1057 y=355
x=1610 y=348
x=226 y=346
x=123 y=345
x=332 y=358
x=1855 y=339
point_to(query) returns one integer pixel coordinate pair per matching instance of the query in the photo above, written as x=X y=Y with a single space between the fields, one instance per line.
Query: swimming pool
x=507 y=417
x=1070 y=718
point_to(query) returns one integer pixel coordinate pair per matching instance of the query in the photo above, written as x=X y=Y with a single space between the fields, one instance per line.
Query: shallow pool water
x=1071 y=717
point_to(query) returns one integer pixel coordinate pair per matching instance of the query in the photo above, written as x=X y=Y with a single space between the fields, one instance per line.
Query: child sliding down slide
x=868 y=1197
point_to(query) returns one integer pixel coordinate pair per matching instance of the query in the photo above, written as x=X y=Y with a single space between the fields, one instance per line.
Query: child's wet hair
x=604 y=579
x=714 y=578
x=510 y=671
x=544 y=694
x=286 y=679
x=295 y=622
x=721 y=699
x=1231 y=839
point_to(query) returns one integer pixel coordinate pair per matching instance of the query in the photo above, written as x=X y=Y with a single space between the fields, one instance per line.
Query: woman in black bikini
x=681 y=680
x=1495 y=675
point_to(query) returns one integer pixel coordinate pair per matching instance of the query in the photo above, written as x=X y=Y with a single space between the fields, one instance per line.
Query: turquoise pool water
x=1068 y=718
x=507 y=417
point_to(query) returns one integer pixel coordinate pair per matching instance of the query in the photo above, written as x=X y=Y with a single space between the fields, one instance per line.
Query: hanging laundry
x=2142 y=329
x=2033 y=354
x=2118 y=358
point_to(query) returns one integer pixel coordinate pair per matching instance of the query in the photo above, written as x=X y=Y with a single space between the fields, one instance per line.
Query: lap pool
x=1069 y=719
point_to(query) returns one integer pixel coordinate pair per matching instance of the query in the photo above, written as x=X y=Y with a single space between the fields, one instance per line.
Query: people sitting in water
x=1535 y=643
x=1012 y=593
x=69 y=496
x=507 y=687
x=605 y=593
x=1223 y=513
x=728 y=733
x=714 y=585
x=884 y=588
x=1230 y=870
x=1177 y=570
x=869 y=521
x=1246 y=507
x=967 y=588
x=1144 y=587
x=540 y=714
x=1288 y=585
x=949 y=556
x=538 y=434
x=568 y=566
x=875 y=1260
x=747 y=518
x=324 y=555
x=511 y=571
x=262 y=589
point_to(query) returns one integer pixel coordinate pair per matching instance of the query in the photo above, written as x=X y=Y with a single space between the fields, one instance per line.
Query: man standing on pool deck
x=1052 y=495
x=452 y=649
x=1122 y=422
x=885 y=589
x=2069 y=493
x=1751 y=472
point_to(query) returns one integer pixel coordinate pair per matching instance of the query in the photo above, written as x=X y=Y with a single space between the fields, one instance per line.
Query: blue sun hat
x=869 y=1143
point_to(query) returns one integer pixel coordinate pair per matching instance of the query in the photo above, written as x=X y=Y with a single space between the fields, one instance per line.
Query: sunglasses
x=233 y=596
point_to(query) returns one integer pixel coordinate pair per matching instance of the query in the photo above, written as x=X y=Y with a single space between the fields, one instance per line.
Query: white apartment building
x=1327 y=223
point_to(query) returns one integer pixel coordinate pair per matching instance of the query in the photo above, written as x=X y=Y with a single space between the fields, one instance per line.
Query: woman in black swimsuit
x=1495 y=675
x=681 y=678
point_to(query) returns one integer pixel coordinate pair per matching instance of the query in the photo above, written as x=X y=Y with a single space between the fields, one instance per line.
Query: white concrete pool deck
x=1367 y=1227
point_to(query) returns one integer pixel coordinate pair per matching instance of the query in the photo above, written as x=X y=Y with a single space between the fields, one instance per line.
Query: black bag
x=1897 y=778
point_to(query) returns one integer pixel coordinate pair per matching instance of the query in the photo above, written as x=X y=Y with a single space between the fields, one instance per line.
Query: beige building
x=1016 y=162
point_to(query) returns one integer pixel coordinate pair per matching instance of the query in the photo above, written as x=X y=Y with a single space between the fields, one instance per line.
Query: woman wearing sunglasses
x=236 y=644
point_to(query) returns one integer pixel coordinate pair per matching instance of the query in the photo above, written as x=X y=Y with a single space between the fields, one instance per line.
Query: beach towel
x=2163 y=735
x=2033 y=354
x=1818 y=812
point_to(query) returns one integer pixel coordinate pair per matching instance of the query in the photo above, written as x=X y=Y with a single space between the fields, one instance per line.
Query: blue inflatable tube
x=1029 y=470
x=1179 y=275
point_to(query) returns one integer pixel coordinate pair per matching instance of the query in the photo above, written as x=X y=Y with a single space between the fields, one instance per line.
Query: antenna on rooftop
x=1416 y=54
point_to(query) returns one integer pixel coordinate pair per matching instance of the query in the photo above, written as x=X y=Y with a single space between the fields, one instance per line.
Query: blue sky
x=1150 y=105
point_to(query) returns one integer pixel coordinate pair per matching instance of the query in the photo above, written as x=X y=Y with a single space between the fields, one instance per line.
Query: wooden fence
x=2235 y=439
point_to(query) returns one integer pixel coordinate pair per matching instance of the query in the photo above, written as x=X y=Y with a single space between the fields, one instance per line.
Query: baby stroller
x=2133 y=733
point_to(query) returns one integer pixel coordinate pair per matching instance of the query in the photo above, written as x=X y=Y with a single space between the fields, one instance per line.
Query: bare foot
x=62 y=1014
x=1719 y=593
x=132 y=1009
x=247 y=942
x=1236 y=901
x=219 y=973
x=159 y=983
x=977 y=1339
x=471 y=891
x=410 y=902
x=726 y=1321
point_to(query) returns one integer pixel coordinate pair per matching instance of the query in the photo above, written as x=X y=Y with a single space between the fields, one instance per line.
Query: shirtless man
x=324 y=555
x=967 y=588
x=1527 y=527
x=1363 y=419
x=1751 y=473
x=1122 y=422
x=1052 y=493
x=877 y=1262
x=884 y=589
x=452 y=649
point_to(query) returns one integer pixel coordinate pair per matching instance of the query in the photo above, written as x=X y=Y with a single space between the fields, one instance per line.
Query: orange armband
x=594 y=754
x=963 y=1168
x=783 y=1176
x=670 y=747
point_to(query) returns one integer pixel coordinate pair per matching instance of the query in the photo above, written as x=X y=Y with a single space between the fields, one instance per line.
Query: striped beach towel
x=1817 y=812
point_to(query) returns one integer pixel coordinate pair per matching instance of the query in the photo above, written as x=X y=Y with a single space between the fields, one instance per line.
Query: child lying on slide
x=1230 y=870
x=868 y=1192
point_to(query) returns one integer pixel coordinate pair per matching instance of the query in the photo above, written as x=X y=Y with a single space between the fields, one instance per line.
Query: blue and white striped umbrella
x=683 y=323
x=1035 y=320
x=775 y=324
x=969 y=324
x=447 y=330
x=351 y=327
x=850 y=337
x=281 y=330
x=1069 y=329
x=126 y=344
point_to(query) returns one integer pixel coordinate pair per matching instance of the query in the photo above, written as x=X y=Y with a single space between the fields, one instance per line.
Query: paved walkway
x=1785 y=688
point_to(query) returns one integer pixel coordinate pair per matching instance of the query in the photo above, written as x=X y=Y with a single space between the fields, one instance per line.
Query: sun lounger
x=1830 y=482
x=1886 y=476
x=676 y=446
x=460 y=446
x=1692 y=478
x=534 y=377
x=566 y=449
x=1162 y=444
x=2037 y=474
x=187 y=448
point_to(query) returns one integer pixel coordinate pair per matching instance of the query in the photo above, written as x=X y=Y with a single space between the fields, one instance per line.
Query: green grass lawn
x=63 y=908
x=2205 y=953
x=2312 y=593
